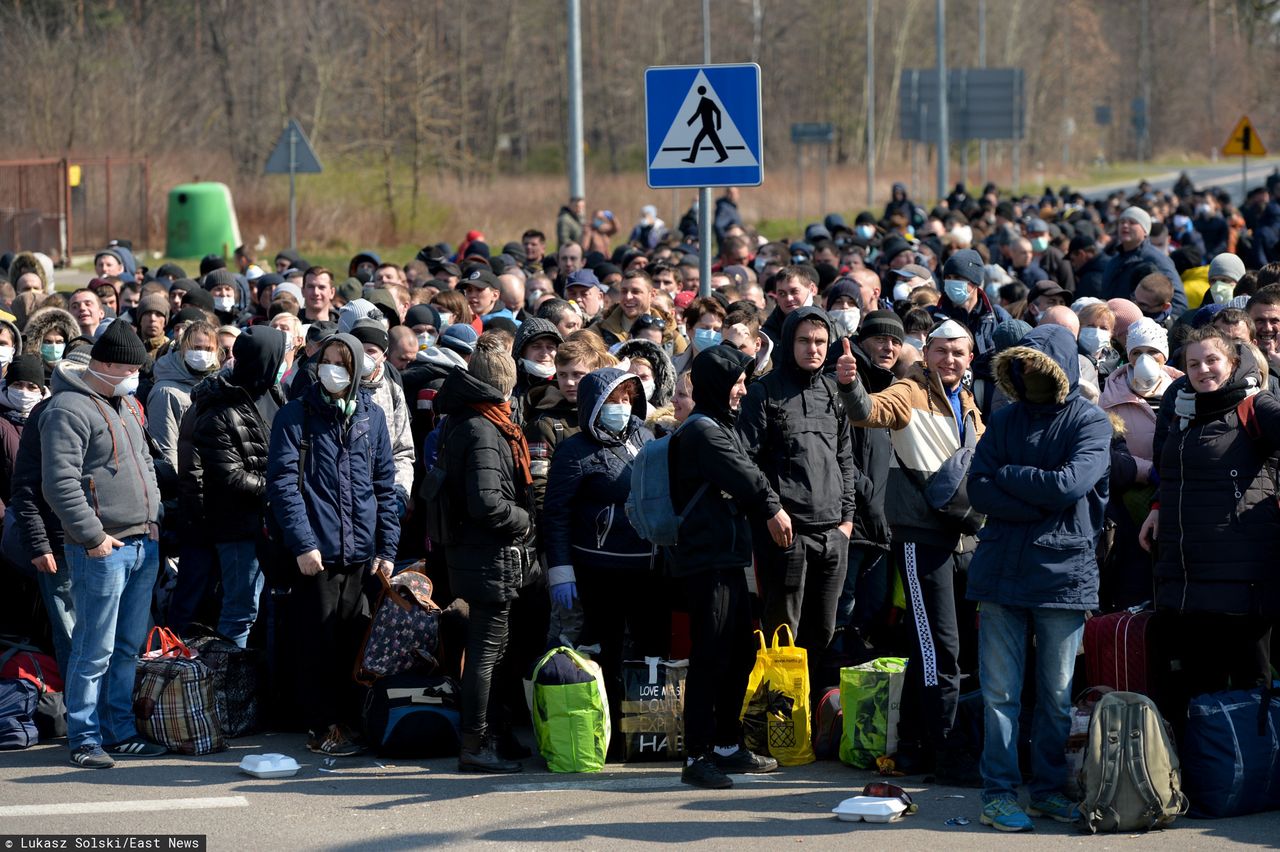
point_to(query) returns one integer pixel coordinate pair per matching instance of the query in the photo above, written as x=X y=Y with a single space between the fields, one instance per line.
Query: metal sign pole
x=704 y=194
x=293 y=195
x=1244 y=178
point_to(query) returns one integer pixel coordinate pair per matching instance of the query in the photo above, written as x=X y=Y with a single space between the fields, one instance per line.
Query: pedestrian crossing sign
x=1244 y=141
x=703 y=126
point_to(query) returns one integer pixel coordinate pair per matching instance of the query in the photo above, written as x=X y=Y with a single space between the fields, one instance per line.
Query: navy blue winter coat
x=346 y=506
x=1040 y=473
x=1127 y=268
x=584 y=518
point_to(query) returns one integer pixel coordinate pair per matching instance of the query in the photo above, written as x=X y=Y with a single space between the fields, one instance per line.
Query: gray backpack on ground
x=1131 y=778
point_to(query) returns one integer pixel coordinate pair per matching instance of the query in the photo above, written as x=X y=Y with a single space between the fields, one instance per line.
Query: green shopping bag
x=870 y=695
x=570 y=712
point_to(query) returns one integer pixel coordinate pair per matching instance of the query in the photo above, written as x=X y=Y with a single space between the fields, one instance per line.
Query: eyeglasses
x=646 y=321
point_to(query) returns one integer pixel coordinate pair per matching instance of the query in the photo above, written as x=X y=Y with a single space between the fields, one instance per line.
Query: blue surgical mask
x=1094 y=339
x=614 y=417
x=1039 y=244
x=50 y=352
x=866 y=231
x=705 y=338
x=957 y=290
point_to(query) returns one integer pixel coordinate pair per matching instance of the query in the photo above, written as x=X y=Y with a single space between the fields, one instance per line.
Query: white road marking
x=604 y=785
x=138 y=806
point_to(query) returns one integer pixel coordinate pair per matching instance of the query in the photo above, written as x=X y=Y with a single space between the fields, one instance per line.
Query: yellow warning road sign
x=1244 y=141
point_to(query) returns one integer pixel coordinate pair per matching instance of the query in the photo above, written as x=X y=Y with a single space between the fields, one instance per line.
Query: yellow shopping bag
x=775 y=711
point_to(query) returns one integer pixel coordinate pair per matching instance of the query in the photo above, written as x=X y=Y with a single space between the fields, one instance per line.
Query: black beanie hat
x=210 y=262
x=219 y=277
x=879 y=323
x=190 y=313
x=119 y=344
x=198 y=298
x=369 y=331
x=25 y=368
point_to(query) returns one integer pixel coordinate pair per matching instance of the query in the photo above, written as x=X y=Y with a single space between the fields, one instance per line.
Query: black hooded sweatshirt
x=794 y=425
x=716 y=535
x=222 y=447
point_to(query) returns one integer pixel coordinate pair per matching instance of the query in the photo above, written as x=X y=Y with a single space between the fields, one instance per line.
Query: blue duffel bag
x=1231 y=753
x=18 y=700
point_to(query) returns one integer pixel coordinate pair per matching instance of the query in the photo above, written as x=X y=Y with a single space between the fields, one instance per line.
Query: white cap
x=1085 y=301
x=1147 y=333
x=950 y=330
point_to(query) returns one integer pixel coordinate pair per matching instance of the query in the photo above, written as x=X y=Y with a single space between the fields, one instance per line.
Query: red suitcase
x=1116 y=651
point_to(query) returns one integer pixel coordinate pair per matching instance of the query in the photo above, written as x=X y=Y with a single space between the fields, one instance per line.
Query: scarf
x=1190 y=406
x=499 y=414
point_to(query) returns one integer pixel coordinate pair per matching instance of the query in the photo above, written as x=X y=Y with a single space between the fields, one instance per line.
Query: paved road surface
x=1226 y=175
x=369 y=803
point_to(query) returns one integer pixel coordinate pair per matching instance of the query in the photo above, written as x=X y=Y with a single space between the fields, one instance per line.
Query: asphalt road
x=1226 y=175
x=365 y=802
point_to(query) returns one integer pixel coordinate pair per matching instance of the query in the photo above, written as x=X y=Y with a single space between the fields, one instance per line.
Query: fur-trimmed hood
x=1043 y=369
x=33 y=261
x=42 y=322
x=664 y=372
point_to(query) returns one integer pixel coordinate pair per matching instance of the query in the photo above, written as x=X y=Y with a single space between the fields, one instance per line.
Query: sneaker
x=705 y=774
x=91 y=757
x=137 y=747
x=335 y=743
x=1055 y=806
x=744 y=762
x=1003 y=814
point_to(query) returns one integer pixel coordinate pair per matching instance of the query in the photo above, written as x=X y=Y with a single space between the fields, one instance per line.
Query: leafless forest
x=438 y=113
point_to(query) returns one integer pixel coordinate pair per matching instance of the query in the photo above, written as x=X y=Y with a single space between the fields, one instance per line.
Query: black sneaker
x=91 y=757
x=136 y=747
x=744 y=762
x=334 y=743
x=705 y=774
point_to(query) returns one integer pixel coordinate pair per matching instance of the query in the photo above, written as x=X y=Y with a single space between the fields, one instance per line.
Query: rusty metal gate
x=76 y=204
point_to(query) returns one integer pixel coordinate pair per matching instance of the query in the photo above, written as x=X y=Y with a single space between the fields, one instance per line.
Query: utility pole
x=982 y=63
x=943 y=141
x=577 y=169
x=705 y=214
x=871 y=103
x=1213 y=76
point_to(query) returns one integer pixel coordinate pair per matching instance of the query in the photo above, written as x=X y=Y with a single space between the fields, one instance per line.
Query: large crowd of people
x=246 y=447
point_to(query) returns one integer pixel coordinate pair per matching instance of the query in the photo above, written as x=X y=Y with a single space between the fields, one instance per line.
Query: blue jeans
x=197 y=571
x=55 y=591
x=112 y=597
x=241 y=588
x=1002 y=659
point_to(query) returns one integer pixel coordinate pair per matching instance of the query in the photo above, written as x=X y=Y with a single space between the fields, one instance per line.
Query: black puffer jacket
x=717 y=533
x=222 y=446
x=490 y=509
x=793 y=424
x=1219 y=521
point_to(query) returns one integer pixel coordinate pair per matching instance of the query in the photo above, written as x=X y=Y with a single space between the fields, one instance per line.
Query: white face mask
x=224 y=303
x=541 y=371
x=846 y=321
x=334 y=377
x=1145 y=374
x=1094 y=339
x=426 y=340
x=648 y=386
x=6 y=355
x=119 y=387
x=199 y=360
x=902 y=291
x=23 y=400
x=446 y=320
x=809 y=301
x=370 y=365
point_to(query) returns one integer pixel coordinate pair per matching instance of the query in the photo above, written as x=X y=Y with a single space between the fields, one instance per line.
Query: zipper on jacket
x=1182 y=557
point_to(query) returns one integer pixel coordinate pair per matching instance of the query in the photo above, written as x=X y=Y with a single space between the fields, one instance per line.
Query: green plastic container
x=202 y=220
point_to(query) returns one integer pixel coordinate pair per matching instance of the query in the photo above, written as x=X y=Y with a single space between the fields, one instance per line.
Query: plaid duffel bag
x=174 y=705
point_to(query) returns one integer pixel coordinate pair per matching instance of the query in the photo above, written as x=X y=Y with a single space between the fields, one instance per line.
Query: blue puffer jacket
x=584 y=518
x=1040 y=473
x=343 y=501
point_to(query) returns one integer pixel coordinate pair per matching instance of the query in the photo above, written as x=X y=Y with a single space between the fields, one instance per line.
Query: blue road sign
x=703 y=126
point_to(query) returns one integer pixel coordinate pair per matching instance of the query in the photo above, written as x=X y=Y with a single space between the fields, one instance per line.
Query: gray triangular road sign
x=304 y=156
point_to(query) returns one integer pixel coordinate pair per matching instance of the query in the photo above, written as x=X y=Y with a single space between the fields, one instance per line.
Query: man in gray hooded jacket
x=99 y=480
